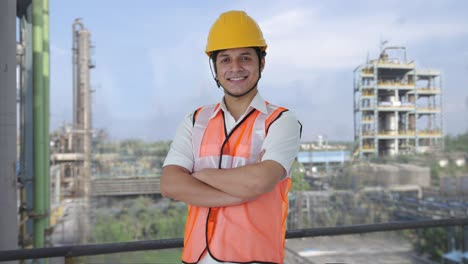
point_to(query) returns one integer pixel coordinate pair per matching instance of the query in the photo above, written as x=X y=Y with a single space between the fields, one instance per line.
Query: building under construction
x=397 y=106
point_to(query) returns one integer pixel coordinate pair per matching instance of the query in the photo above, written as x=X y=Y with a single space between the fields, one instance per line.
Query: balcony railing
x=396 y=84
x=403 y=133
x=428 y=91
x=69 y=252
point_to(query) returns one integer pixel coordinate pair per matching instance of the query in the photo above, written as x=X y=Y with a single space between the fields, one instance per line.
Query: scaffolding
x=397 y=106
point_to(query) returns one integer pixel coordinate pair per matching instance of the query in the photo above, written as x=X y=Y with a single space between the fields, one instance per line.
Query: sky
x=151 y=69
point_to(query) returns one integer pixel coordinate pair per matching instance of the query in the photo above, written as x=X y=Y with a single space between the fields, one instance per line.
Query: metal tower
x=82 y=101
x=397 y=107
x=82 y=112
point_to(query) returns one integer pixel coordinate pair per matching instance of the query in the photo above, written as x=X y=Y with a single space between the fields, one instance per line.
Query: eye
x=224 y=60
x=245 y=58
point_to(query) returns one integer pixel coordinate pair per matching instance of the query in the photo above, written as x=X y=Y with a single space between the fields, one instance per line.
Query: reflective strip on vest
x=249 y=232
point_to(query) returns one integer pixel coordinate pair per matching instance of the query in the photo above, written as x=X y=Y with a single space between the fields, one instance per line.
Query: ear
x=262 y=64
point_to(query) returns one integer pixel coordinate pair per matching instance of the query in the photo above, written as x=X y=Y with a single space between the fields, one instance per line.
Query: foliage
x=132 y=147
x=344 y=179
x=435 y=173
x=430 y=241
x=130 y=158
x=141 y=219
x=458 y=143
x=297 y=177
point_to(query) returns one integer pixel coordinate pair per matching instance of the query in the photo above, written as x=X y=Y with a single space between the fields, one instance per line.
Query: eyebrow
x=242 y=54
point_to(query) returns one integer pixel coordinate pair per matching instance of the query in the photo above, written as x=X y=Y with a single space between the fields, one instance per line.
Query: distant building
x=322 y=157
x=397 y=106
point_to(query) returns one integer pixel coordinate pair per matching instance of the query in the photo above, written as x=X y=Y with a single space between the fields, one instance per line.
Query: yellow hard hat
x=234 y=29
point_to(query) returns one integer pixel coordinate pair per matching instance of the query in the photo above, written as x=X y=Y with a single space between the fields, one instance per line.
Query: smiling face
x=238 y=70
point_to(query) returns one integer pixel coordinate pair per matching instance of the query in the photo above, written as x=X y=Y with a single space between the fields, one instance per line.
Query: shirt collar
x=257 y=102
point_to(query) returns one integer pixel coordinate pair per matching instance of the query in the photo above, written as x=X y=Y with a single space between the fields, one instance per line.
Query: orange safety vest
x=250 y=232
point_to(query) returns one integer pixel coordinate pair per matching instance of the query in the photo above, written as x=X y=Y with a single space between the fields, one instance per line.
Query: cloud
x=300 y=38
x=313 y=48
x=311 y=56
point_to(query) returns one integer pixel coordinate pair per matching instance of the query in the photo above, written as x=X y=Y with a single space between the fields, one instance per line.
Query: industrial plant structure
x=397 y=106
x=71 y=149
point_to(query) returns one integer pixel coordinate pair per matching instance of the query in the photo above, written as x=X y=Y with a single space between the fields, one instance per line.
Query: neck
x=238 y=105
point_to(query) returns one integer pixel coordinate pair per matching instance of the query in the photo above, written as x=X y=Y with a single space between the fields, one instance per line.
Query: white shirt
x=281 y=143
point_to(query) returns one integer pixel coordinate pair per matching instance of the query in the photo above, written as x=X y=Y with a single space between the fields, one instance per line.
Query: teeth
x=237 y=78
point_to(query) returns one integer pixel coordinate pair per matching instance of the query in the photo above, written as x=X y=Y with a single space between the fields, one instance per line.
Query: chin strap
x=212 y=74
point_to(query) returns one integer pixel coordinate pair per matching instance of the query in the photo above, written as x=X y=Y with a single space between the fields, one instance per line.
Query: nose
x=236 y=65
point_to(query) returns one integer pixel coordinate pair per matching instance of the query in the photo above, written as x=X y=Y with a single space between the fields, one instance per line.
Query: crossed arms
x=225 y=187
x=220 y=187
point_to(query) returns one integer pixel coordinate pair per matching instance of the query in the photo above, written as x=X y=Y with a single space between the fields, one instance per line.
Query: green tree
x=431 y=241
x=456 y=143
x=297 y=177
x=140 y=219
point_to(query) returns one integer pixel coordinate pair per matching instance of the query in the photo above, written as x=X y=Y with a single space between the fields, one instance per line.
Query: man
x=230 y=161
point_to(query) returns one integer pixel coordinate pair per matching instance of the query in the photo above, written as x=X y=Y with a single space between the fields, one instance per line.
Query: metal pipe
x=39 y=211
x=22 y=141
x=74 y=69
x=28 y=119
x=46 y=87
x=77 y=25
x=85 y=79
x=397 y=47
x=8 y=181
x=57 y=185
x=82 y=113
x=26 y=125
x=21 y=78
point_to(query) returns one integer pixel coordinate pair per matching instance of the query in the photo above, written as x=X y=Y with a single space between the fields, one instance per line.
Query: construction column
x=8 y=204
